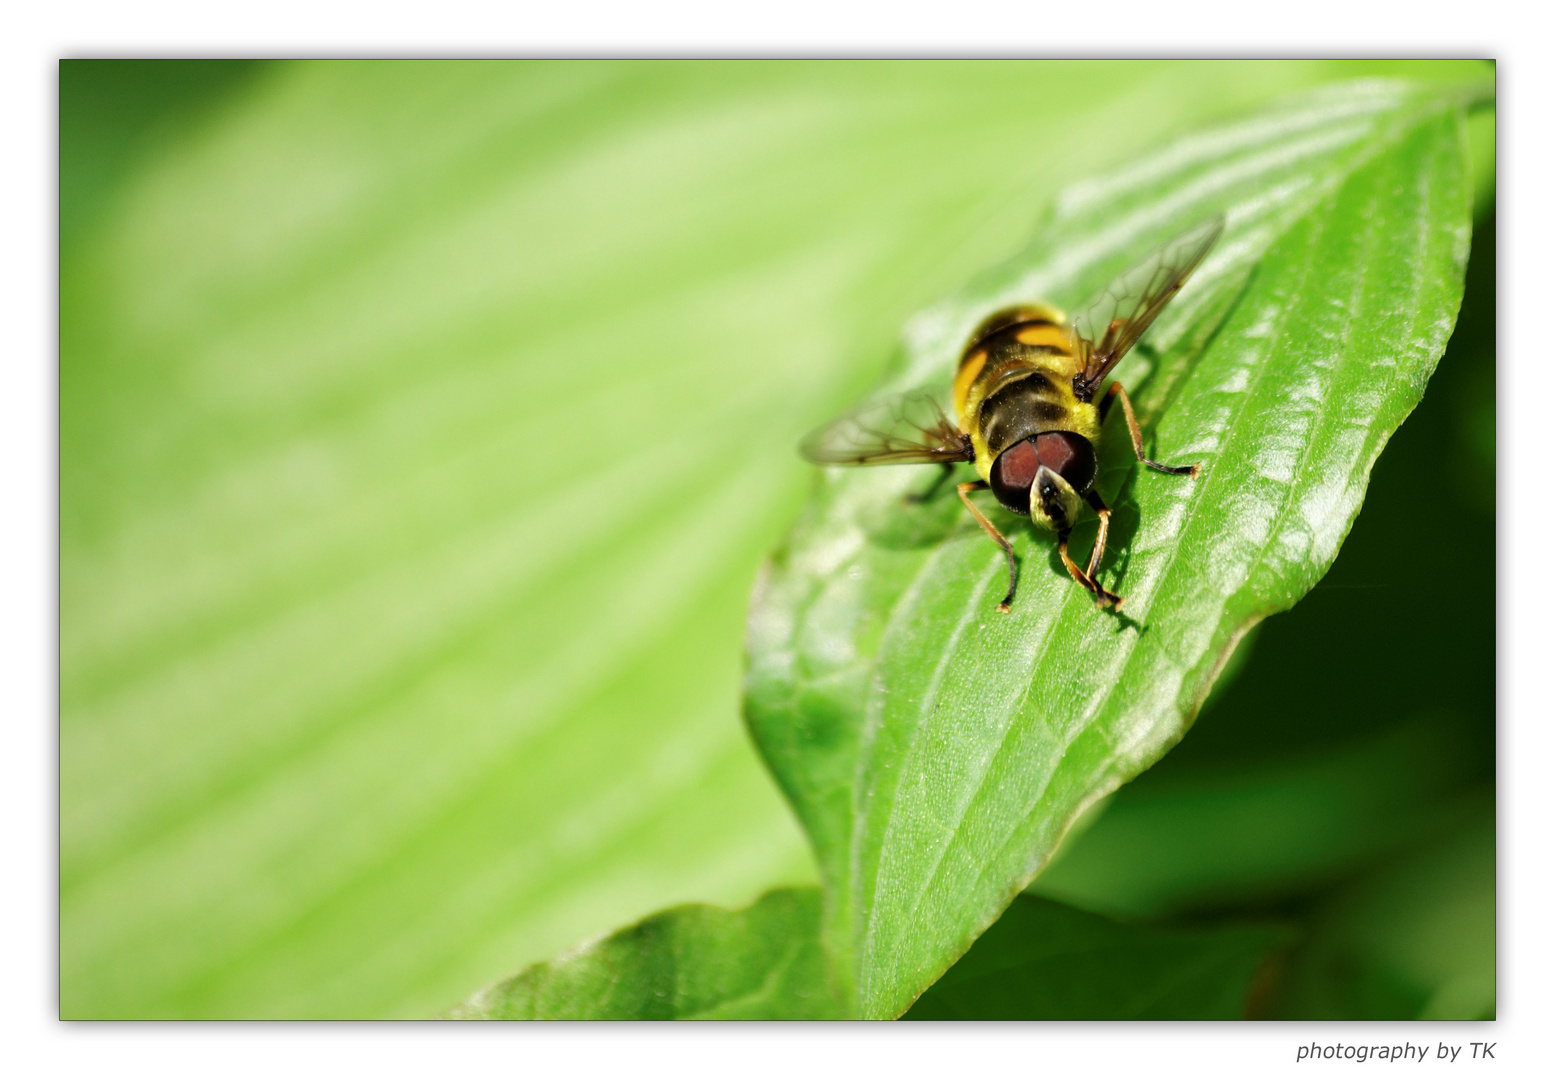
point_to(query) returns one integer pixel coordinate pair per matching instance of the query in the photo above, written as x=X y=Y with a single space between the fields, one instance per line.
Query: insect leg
x=1116 y=389
x=1103 y=597
x=973 y=485
x=946 y=468
x=1101 y=533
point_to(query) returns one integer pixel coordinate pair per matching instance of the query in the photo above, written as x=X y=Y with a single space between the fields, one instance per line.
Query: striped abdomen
x=1015 y=380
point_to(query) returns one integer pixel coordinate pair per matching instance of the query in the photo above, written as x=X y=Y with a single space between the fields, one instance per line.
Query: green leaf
x=937 y=751
x=1046 y=961
x=1290 y=784
x=689 y=963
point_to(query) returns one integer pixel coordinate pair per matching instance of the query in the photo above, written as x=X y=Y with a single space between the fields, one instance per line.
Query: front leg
x=1090 y=584
x=988 y=527
x=1105 y=515
x=1116 y=390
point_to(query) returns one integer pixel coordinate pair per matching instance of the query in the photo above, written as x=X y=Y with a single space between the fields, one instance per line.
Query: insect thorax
x=1017 y=382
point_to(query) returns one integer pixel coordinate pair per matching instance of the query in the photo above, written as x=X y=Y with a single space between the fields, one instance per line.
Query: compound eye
x=1070 y=455
x=1012 y=474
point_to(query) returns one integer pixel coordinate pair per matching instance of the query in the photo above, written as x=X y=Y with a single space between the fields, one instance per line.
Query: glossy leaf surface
x=1289 y=783
x=937 y=751
x=1357 y=739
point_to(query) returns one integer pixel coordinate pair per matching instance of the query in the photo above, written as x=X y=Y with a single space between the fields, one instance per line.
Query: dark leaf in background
x=1412 y=938
x=1045 y=961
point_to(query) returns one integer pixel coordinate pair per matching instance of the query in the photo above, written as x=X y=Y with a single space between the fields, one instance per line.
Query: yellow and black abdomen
x=1016 y=380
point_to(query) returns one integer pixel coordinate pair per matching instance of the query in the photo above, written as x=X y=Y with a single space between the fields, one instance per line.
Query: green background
x=422 y=427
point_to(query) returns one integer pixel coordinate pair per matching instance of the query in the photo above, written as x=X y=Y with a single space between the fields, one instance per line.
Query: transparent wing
x=1107 y=327
x=906 y=429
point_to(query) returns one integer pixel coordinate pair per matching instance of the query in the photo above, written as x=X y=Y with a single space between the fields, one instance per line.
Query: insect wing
x=907 y=429
x=1107 y=327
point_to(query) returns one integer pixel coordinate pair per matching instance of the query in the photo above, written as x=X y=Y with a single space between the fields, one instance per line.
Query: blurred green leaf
x=937 y=751
x=689 y=963
x=1046 y=961
x=421 y=428
x=1414 y=938
x=115 y=113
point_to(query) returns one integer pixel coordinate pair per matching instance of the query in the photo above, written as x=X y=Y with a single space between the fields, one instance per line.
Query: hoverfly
x=1025 y=410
